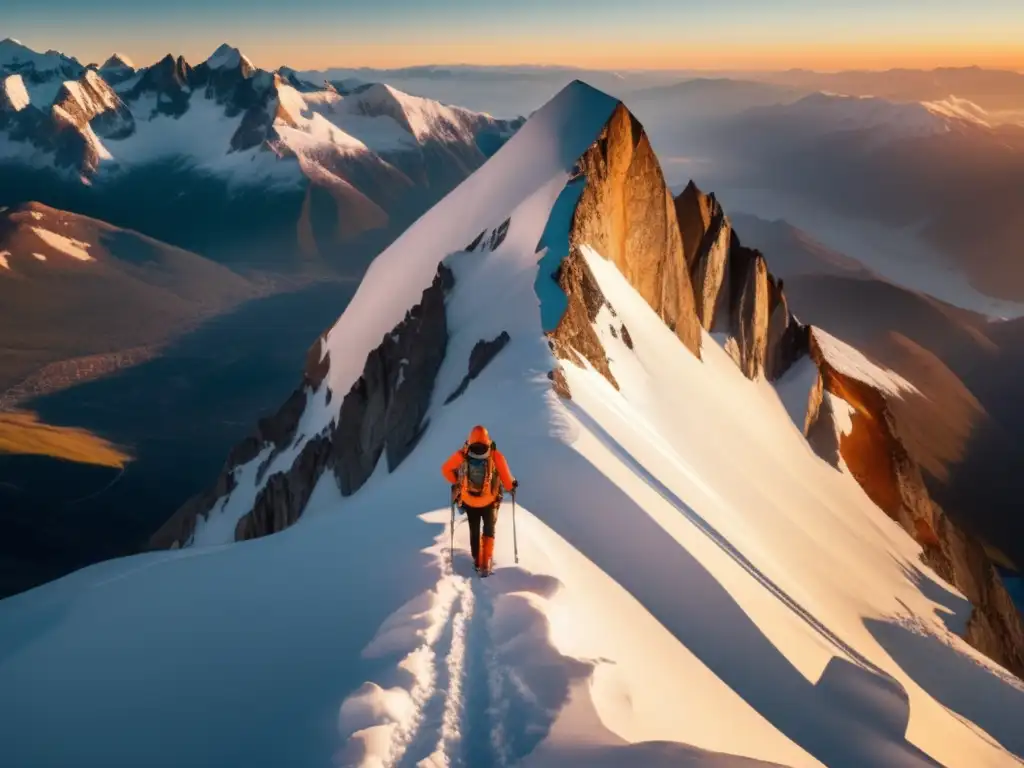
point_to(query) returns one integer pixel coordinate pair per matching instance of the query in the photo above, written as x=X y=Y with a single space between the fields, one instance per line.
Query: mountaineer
x=479 y=474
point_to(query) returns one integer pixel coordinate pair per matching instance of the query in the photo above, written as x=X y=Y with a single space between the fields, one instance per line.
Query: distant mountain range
x=999 y=92
x=243 y=164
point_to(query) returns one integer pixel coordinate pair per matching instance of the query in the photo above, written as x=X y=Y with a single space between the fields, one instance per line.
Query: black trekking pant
x=489 y=516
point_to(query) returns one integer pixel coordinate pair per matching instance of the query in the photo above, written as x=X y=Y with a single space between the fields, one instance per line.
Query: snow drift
x=694 y=583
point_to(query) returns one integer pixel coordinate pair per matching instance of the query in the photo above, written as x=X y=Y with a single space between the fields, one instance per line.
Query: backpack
x=479 y=476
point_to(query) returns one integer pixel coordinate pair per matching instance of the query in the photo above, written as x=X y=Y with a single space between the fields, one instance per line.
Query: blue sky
x=612 y=33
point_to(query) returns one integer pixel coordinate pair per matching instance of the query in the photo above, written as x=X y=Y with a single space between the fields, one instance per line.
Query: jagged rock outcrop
x=734 y=292
x=574 y=337
x=484 y=243
x=481 y=354
x=788 y=339
x=748 y=299
x=284 y=497
x=626 y=213
x=258 y=96
x=736 y=295
x=91 y=101
x=168 y=83
x=383 y=414
x=709 y=270
x=117 y=69
x=694 y=211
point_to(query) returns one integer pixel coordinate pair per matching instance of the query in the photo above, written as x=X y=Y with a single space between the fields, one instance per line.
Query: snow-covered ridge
x=227 y=57
x=16 y=56
x=118 y=61
x=852 y=363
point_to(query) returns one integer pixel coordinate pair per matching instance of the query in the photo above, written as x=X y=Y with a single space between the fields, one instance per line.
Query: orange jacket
x=450 y=470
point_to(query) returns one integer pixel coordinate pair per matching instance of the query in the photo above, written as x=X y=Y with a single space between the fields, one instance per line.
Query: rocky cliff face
x=383 y=414
x=574 y=338
x=735 y=294
x=626 y=213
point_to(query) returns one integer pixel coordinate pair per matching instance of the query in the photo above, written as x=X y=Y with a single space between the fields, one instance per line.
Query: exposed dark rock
x=483 y=352
x=256 y=127
x=170 y=81
x=318 y=363
x=381 y=413
x=694 y=211
x=498 y=236
x=788 y=339
x=476 y=241
x=626 y=338
x=116 y=70
x=748 y=277
x=708 y=270
x=384 y=410
x=244 y=452
x=280 y=428
x=626 y=213
x=559 y=384
x=283 y=499
x=237 y=88
x=574 y=336
x=177 y=531
x=733 y=291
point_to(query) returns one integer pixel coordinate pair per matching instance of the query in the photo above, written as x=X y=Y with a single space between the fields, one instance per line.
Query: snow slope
x=15 y=93
x=694 y=585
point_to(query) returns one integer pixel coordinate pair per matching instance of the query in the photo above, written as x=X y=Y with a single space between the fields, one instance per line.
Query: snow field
x=66 y=245
x=16 y=93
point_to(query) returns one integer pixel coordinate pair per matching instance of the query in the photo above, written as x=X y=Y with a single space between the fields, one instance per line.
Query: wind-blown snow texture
x=694 y=587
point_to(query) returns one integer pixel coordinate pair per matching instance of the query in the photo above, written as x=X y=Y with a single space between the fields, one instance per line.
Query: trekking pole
x=451 y=548
x=515 y=540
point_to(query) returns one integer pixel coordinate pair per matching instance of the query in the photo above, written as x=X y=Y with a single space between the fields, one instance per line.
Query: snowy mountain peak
x=424 y=119
x=118 y=61
x=227 y=57
x=15 y=56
